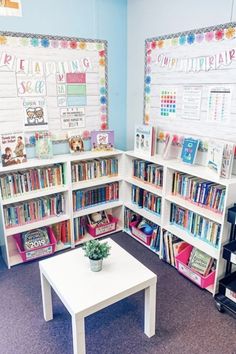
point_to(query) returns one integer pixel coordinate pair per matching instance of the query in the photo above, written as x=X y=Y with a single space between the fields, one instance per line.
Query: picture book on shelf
x=189 y=150
x=43 y=145
x=13 y=149
x=145 y=140
x=102 y=140
x=76 y=143
x=200 y=261
x=227 y=160
x=215 y=156
x=167 y=147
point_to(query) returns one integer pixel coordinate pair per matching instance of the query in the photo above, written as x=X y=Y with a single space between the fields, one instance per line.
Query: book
x=43 y=145
x=13 y=149
x=35 y=239
x=145 y=140
x=200 y=261
x=227 y=160
x=215 y=156
x=102 y=140
x=167 y=147
x=76 y=143
x=189 y=150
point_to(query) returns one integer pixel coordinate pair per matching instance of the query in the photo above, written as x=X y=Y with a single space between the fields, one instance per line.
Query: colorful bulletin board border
x=179 y=53
x=42 y=44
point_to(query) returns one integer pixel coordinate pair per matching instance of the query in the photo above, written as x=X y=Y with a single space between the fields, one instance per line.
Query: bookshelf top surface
x=35 y=162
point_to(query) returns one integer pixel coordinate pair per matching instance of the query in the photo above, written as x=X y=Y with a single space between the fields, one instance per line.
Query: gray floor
x=187 y=320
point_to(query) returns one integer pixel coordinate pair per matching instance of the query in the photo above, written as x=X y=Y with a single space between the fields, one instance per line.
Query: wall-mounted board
x=52 y=82
x=190 y=82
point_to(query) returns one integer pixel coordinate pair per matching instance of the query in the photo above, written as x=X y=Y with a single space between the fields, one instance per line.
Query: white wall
x=152 y=18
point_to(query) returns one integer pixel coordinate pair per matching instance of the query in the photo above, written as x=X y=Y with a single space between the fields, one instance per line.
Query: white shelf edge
x=143 y=185
x=195 y=242
x=195 y=208
x=34 y=225
x=35 y=194
x=95 y=182
x=143 y=212
x=96 y=208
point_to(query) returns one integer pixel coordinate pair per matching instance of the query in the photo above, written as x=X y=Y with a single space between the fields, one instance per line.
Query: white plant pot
x=95 y=265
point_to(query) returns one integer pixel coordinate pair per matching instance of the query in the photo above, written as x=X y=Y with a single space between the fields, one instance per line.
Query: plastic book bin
x=103 y=229
x=181 y=264
x=139 y=234
x=36 y=252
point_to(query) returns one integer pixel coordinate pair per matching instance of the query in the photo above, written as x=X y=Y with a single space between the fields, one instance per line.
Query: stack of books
x=145 y=199
x=148 y=172
x=172 y=246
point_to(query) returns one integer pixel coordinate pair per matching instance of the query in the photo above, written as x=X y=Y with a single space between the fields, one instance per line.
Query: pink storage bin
x=36 y=252
x=139 y=234
x=103 y=228
x=181 y=264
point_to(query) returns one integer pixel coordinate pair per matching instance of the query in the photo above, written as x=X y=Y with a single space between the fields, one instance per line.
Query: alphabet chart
x=53 y=83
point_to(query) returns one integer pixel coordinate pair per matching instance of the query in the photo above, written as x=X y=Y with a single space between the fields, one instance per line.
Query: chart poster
x=168 y=102
x=73 y=117
x=219 y=104
x=35 y=114
x=10 y=8
x=191 y=102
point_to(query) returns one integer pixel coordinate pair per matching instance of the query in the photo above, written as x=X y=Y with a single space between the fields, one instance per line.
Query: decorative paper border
x=193 y=37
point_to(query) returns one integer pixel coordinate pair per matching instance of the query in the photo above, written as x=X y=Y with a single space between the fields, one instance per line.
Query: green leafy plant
x=96 y=250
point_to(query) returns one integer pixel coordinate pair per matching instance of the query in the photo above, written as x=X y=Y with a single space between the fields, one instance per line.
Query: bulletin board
x=190 y=82
x=52 y=83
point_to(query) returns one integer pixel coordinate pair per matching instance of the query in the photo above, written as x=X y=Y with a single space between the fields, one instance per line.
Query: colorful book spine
x=80 y=228
x=197 y=225
x=62 y=232
x=88 y=197
x=97 y=168
x=148 y=172
x=146 y=200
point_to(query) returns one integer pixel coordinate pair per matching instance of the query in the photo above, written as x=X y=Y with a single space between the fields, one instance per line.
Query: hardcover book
x=102 y=140
x=43 y=145
x=76 y=143
x=227 y=160
x=200 y=262
x=215 y=156
x=189 y=150
x=167 y=147
x=13 y=149
x=145 y=140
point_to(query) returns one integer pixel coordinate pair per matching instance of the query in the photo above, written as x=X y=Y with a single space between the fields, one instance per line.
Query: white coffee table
x=84 y=292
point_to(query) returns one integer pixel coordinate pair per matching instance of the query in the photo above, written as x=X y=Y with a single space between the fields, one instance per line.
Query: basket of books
x=142 y=230
x=100 y=223
x=196 y=265
x=35 y=243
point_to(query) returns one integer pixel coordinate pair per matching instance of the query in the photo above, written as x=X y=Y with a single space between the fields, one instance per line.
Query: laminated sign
x=10 y=8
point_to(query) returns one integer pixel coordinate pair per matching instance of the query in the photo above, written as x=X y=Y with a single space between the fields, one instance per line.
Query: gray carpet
x=187 y=320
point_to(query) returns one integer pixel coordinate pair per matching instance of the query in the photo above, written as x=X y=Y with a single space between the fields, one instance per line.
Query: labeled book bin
x=103 y=229
x=28 y=255
x=139 y=234
x=182 y=265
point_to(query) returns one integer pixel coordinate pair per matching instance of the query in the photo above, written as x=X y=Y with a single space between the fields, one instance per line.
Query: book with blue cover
x=189 y=150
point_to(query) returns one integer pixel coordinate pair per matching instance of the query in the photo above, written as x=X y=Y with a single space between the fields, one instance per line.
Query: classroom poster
x=10 y=8
x=219 y=104
x=35 y=114
x=191 y=102
x=168 y=102
x=72 y=117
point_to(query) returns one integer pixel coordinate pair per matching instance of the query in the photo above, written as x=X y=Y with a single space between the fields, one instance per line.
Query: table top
x=83 y=291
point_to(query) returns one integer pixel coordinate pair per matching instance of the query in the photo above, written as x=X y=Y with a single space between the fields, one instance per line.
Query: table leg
x=47 y=298
x=150 y=311
x=78 y=335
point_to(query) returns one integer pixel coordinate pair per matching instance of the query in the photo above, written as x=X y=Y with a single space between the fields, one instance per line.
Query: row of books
x=171 y=247
x=148 y=172
x=89 y=197
x=196 y=224
x=62 y=231
x=130 y=216
x=31 y=211
x=80 y=228
x=96 y=168
x=206 y=194
x=145 y=199
x=30 y=180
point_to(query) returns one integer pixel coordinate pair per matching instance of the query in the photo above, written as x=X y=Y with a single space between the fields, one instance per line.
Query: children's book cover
x=227 y=160
x=43 y=145
x=76 y=143
x=189 y=150
x=13 y=149
x=215 y=156
x=144 y=140
x=102 y=140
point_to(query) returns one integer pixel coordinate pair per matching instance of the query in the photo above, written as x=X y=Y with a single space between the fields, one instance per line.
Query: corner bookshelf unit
x=170 y=167
x=37 y=179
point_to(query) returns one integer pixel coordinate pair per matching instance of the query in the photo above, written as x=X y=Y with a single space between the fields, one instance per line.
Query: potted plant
x=96 y=251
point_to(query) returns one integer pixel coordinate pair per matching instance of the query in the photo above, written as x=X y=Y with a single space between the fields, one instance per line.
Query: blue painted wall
x=98 y=19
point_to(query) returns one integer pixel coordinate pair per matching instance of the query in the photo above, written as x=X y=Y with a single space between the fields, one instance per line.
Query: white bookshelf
x=7 y=242
x=169 y=168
